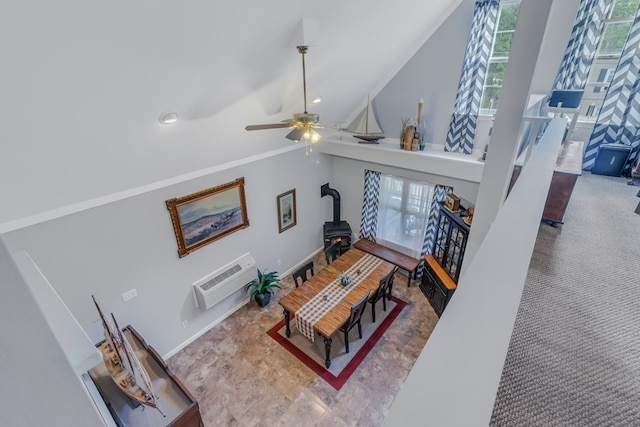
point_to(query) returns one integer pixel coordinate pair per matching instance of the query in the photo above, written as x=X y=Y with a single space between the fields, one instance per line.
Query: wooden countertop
x=569 y=159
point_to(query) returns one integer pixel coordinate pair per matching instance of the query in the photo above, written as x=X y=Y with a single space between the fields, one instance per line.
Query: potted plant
x=263 y=287
x=345 y=279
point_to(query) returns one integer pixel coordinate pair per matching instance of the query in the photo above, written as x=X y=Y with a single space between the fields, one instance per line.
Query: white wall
x=559 y=26
x=83 y=84
x=432 y=74
x=130 y=244
x=39 y=386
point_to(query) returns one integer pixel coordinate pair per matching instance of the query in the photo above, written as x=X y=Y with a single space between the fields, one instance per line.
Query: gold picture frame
x=287 y=216
x=203 y=217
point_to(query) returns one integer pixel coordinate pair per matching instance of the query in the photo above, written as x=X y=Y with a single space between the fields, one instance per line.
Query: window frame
x=496 y=59
x=602 y=61
x=409 y=200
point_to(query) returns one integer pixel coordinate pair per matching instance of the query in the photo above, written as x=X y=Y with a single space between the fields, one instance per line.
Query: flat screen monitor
x=566 y=98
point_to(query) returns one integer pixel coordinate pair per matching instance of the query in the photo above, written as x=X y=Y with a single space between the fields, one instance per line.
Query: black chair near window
x=383 y=292
x=332 y=252
x=301 y=275
x=354 y=319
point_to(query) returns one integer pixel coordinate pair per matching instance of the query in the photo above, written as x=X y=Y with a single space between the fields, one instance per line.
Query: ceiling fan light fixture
x=306 y=118
x=311 y=135
x=303 y=123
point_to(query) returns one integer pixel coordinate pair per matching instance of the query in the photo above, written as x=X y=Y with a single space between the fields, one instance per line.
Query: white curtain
x=403 y=213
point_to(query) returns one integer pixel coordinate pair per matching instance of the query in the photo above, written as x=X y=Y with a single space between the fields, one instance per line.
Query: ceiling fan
x=302 y=124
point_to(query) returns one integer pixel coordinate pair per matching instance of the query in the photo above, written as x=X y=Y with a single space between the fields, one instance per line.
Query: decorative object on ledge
x=412 y=134
x=408 y=135
x=452 y=202
x=200 y=218
x=180 y=407
x=467 y=216
x=403 y=130
x=368 y=130
x=123 y=365
x=287 y=217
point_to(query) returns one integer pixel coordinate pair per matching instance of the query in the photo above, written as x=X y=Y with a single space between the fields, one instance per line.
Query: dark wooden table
x=338 y=315
x=402 y=261
x=567 y=170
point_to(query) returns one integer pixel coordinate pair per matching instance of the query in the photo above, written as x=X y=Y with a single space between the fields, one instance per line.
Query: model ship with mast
x=123 y=365
x=368 y=129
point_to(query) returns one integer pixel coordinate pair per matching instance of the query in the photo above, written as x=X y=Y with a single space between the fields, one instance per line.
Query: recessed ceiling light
x=168 y=118
x=316 y=100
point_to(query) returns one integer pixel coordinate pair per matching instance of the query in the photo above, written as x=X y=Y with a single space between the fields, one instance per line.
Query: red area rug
x=343 y=364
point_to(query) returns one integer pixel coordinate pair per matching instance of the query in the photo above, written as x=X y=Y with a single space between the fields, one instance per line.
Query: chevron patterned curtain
x=430 y=236
x=462 y=127
x=369 y=223
x=619 y=118
x=583 y=44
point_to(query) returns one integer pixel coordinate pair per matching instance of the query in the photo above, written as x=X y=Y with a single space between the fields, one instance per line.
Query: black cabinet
x=451 y=241
x=436 y=285
x=442 y=268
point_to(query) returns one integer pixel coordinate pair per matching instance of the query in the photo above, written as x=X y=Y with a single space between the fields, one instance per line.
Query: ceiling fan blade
x=296 y=134
x=269 y=126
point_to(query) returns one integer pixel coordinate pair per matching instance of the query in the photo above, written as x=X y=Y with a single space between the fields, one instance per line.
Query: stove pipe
x=325 y=190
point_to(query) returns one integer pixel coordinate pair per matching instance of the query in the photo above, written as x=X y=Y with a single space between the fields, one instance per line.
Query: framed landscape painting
x=287 y=210
x=200 y=218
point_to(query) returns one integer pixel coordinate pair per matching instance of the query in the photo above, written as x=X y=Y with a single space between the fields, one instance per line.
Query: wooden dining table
x=337 y=315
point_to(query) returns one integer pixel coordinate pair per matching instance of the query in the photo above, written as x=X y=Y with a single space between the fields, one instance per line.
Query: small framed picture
x=287 y=210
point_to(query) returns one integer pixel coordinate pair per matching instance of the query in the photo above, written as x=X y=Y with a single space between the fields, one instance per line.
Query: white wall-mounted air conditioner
x=226 y=280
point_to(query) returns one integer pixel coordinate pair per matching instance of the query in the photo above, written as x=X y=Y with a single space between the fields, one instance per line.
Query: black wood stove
x=336 y=230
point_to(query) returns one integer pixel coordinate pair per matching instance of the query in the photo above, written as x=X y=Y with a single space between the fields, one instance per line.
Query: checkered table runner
x=314 y=309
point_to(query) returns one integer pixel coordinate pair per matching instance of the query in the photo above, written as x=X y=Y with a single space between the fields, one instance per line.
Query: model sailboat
x=368 y=129
x=122 y=364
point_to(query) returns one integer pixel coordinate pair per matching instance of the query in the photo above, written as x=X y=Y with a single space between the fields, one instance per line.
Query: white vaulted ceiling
x=82 y=84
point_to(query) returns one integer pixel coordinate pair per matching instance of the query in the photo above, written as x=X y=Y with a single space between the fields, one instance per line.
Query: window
x=500 y=49
x=614 y=36
x=403 y=212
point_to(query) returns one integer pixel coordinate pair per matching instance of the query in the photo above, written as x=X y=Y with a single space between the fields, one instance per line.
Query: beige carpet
x=574 y=356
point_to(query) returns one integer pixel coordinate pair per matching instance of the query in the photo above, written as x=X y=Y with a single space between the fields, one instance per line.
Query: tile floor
x=242 y=377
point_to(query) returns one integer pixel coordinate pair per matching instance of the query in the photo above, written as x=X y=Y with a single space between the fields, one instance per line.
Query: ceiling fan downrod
x=303 y=50
x=305 y=118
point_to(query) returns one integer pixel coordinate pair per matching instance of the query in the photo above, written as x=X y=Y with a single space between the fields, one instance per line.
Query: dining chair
x=383 y=292
x=301 y=273
x=332 y=252
x=354 y=319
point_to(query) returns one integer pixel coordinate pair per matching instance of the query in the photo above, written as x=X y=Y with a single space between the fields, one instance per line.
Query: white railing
x=456 y=377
